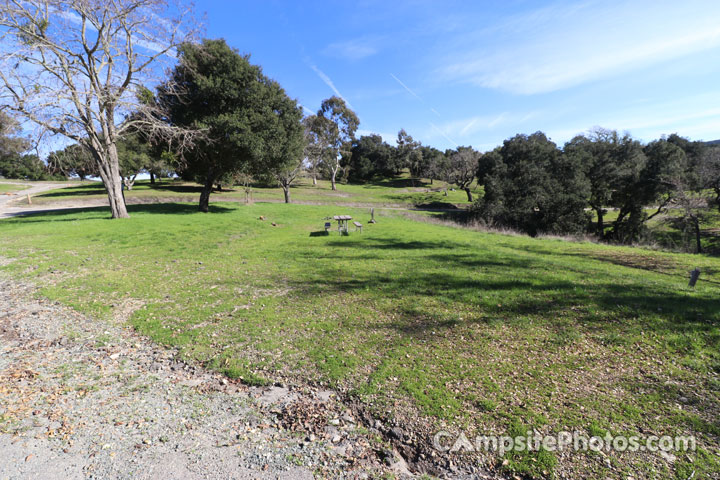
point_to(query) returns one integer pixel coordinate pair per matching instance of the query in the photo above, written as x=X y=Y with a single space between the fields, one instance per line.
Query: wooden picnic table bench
x=358 y=226
x=342 y=222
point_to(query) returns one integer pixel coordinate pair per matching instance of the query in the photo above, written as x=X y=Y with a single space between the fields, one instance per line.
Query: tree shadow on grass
x=635 y=260
x=75 y=191
x=98 y=189
x=100 y=213
x=505 y=289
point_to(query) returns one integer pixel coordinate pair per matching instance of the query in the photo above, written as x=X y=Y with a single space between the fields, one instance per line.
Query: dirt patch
x=81 y=398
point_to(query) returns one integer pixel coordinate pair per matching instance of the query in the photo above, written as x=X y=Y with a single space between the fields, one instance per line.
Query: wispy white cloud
x=570 y=44
x=355 y=49
x=443 y=134
x=696 y=117
x=330 y=84
x=387 y=137
x=465 y=127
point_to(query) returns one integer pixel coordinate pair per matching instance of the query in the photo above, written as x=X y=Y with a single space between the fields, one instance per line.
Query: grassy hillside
x=429 y=324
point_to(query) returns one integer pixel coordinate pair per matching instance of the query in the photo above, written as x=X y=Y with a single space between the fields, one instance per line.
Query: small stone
x=335 y=421
x=336 y=439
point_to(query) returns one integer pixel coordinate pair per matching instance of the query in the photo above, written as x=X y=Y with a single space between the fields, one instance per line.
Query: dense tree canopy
x=371 y=157
x=250 y=123
x=531 y=186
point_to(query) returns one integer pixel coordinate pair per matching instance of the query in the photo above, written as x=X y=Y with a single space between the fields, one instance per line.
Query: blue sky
x=478 y=72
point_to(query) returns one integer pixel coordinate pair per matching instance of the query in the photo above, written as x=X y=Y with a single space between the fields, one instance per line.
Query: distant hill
x=713 y=142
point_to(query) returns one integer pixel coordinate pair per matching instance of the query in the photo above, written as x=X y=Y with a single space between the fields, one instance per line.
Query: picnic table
x=342 y=222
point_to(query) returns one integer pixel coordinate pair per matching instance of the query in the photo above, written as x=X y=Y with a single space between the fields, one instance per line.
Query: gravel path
x=81 y=398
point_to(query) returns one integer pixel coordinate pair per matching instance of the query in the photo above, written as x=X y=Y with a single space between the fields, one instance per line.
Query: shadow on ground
x=98 y=213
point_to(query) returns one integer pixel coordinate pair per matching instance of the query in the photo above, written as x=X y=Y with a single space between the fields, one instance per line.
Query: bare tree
x=76 y=68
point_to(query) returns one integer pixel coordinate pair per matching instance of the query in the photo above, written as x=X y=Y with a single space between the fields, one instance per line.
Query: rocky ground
x=81 y=398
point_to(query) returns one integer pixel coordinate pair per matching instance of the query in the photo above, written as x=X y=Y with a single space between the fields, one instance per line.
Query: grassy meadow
x=429 y=324
x=401 y=192
x=11 y=187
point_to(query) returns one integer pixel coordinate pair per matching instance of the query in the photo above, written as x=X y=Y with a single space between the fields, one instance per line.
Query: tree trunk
x=697 y=236
x=314 y=180
x=600 y=222
x=130 y=182
x=205 y=195
x=469 y=194
x=286 y=191
x=152 y=178
x=110 y=174
x=332 y=179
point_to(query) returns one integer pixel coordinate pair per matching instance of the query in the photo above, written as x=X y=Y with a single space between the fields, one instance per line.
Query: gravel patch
x=83 y=398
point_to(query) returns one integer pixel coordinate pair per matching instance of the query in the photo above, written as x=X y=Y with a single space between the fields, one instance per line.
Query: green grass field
x=401 y=192
x=429 y=324
x=11 y=187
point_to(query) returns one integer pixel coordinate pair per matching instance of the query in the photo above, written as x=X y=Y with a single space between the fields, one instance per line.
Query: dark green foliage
x=433 y=159
x=531 y=186
x=24 y=167
x=648 y=181
x=629 y=177
x=250 y=122
x=371 y=157
x=72 y=161
x=133 y=155
x=460 y=167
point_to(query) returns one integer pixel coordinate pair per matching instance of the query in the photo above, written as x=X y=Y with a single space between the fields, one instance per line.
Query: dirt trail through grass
x=82 y=398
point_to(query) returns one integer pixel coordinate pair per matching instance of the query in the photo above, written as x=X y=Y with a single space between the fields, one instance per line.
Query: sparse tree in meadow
x=461 y=167
x=74 y=69
x=409 y=155
x=337 y=124
x=251 y=125
x=316 y=145
x=433 y=162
